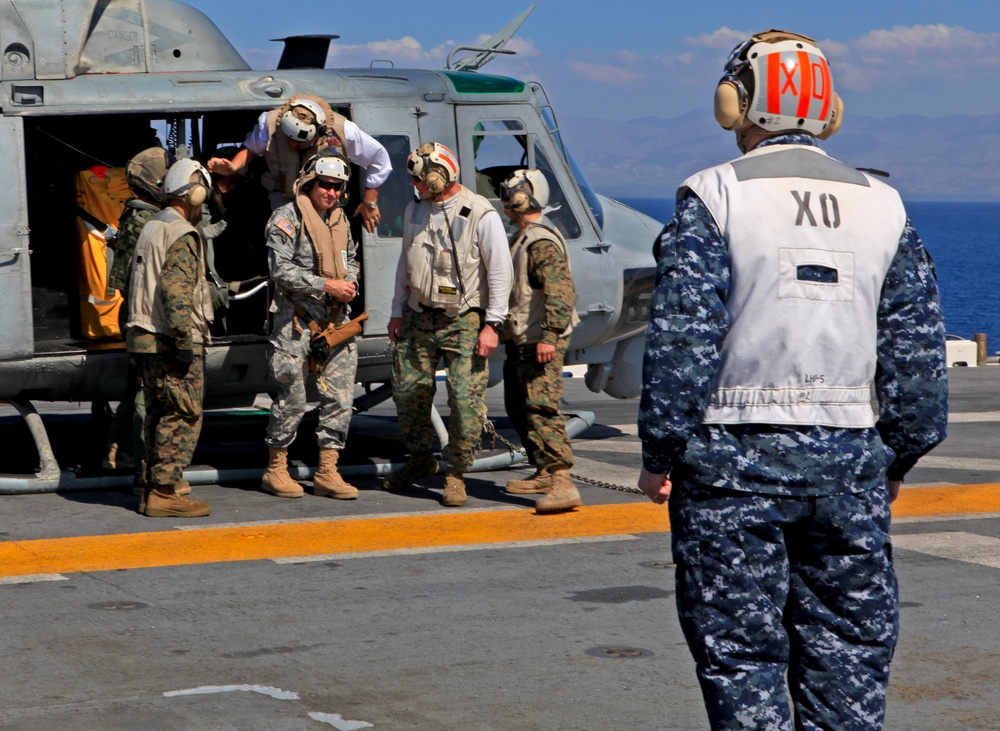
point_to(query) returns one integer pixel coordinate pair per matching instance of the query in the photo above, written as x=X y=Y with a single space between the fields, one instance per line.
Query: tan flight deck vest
x=145 y=303
x=800 y=352
x=284 y=163
x=430 y=266
x=527 y=304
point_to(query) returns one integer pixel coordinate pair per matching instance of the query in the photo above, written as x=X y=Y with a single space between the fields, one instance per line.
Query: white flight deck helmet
x=303 y=120
x=326 y=164
x=777 y=82
x=524 y=190
x=188 y=179
x=434 y=165
x=146 y=170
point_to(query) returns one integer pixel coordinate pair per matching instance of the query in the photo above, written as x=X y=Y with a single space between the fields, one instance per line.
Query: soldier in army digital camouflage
x=145 y=173
x=311 y=257
x=541 y=318
x=452 y=286
x=788 y=285
x=170 y=310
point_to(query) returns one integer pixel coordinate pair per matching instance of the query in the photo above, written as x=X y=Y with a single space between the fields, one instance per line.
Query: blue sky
x=623 y=59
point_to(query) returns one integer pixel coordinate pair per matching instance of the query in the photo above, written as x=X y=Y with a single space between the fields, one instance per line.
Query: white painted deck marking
x=339 y=722
x=453 y=549
x=32 y=578
x=957 y=546
x=277 y=693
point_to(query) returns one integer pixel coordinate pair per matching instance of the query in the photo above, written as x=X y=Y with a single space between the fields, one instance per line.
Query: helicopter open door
x=15 y=267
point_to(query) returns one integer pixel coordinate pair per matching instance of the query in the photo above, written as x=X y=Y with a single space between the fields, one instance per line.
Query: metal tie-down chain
x=495 y=436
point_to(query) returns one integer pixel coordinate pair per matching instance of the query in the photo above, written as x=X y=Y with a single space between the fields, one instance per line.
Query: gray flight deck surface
x=547 y=635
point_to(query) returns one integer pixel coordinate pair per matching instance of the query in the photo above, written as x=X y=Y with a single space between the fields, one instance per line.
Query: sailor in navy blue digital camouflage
x=789 y=286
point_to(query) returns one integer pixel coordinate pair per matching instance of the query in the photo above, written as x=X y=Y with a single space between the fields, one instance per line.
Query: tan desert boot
x=327 y=481
x=454 y=491
x=276 y=479
x=417 y=466
x=164 y=502
x=564 y=495
x=540 y=482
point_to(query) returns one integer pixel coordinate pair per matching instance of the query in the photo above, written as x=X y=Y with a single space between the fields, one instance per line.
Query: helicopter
x=86 y=84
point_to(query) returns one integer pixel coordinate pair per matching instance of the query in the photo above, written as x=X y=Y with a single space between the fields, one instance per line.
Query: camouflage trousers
x=128 y=424
x=173 y=415
x=427 y=338
x=289 y=363
x=771 y=585
x=532 y=393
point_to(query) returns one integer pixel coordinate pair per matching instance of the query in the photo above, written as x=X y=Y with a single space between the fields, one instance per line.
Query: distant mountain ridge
x=954 y=158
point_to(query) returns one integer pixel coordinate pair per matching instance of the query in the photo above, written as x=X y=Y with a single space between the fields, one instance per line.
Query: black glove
x=182 y=360
x=319 y=349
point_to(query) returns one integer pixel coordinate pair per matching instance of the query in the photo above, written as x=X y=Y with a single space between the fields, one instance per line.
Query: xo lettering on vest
x=829 y=209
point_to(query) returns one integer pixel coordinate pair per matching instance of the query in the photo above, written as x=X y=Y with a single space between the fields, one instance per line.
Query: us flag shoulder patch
x=285 y=225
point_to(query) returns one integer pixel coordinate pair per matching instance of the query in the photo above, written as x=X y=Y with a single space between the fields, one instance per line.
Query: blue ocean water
x=964 y=241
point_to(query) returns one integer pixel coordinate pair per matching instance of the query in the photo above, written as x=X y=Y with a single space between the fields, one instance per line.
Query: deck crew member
x=170 y=310
x=541 y=318
x=145 y=173
x=311 y=257
x=452 y=286
x=304 y=126
x=788 y=285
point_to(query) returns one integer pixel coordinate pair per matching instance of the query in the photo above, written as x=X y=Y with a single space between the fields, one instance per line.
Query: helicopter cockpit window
x=395 y=192
x=502 y=146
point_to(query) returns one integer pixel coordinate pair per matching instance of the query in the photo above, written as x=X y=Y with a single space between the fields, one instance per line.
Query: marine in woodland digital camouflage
x=688 y=323
x=173 y=396
x=424 y=338
x=533 y=391
x=293 y=267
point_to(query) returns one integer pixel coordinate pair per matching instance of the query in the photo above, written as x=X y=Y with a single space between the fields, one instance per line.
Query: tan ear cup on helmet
x=836 y=117
x=730 y=105
x=435 y=181
x=520 y=202
x=197 y=194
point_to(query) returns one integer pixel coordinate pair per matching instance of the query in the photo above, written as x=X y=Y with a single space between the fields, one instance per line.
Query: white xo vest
x=810 y=241
x=430 y=263
x=145 y=301
x=527 y=305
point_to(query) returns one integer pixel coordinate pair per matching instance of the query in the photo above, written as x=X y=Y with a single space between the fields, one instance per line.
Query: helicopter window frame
x=489 y=177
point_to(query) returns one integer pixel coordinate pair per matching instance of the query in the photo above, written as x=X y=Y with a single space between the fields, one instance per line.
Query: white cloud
x=603 y=73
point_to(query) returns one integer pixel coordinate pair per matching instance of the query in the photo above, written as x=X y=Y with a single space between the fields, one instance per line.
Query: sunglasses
x=334 y=185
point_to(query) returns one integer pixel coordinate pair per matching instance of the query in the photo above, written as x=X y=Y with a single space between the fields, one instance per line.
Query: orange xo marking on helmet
x=813 y=76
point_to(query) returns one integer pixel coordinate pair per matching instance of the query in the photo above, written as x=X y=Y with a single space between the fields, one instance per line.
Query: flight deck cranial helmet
x=189 y=180
x=326 y=164
x=303 y=120
x=777 y=82
x=524 y=190
x=146 y=170
x=434 y=165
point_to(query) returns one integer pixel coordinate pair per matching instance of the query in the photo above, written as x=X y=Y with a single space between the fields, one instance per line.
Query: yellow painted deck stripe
x=212 y=545
x=384 y=533
x=950 y=500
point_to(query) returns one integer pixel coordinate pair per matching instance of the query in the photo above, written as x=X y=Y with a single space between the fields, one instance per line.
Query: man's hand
x=656 y=486
x=488 y=341
x=894 y=486
x=395 y=325
x=544 y=352
x=369 y=216
x=182 y=360
x=340 y=289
